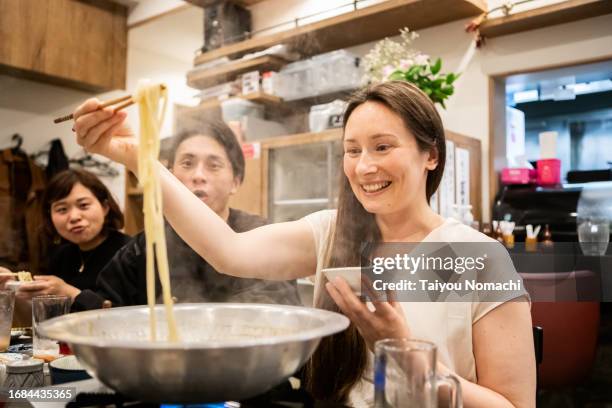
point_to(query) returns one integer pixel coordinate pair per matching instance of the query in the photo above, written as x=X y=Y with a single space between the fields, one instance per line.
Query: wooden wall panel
x=474 y=147
x=249 y=195
x=82 y=44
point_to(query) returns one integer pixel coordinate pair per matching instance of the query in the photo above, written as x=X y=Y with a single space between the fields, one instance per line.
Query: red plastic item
x=549 y=172
x=511 y=175
x=64 y=349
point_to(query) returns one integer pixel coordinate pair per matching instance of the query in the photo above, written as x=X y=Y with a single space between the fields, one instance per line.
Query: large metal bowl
x=228 y=351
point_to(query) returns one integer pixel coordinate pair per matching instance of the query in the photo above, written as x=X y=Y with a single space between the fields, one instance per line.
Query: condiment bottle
x=486 y=229
x=499 y=235
x=547 y=241
x=531 y=244
x=509 y=240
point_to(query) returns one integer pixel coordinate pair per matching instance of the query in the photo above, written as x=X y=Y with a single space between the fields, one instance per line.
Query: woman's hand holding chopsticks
x=104 y=131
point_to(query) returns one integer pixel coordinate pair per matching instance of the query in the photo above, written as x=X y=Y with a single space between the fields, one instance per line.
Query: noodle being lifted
x=148 y=97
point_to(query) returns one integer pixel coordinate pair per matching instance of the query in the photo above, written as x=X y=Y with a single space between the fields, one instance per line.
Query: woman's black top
x=81 y=268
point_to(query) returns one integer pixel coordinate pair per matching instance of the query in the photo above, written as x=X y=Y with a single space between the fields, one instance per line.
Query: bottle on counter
x=486 y=229
x=507 y=228
x=531 y=238
x=499 y=235
x=547 y=237
x=509 y=240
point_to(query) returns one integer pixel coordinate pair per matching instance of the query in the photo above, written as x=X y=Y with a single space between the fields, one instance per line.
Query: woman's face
x=79 y=217
x=382 y=162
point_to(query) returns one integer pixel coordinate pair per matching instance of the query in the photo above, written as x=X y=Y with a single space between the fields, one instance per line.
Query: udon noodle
x=148 y=97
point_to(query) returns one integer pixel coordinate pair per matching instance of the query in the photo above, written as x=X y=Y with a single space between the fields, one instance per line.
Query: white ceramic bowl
x=351 y=274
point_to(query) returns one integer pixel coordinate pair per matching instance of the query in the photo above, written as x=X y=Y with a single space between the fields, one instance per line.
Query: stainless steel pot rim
x=56 y=329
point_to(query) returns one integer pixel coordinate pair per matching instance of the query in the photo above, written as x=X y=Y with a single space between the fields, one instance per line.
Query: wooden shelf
x=259 y=97
x=356 y=27
x=262 y=98
x=565 y=12
x=216 y=75
x=276 y=103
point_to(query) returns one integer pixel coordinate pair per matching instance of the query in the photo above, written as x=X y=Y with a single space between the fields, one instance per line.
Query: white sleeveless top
x=447 y=324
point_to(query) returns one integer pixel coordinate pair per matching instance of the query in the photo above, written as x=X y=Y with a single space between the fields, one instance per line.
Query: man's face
x=202 y=165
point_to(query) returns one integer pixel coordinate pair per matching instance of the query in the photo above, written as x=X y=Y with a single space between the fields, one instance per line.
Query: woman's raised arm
x=276 y=252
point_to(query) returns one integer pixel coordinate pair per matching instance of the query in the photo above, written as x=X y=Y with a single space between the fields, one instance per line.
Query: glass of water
x=44 y=308
x=594 y=235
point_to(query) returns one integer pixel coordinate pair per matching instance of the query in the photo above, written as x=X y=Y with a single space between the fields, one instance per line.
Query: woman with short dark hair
x=82 y=217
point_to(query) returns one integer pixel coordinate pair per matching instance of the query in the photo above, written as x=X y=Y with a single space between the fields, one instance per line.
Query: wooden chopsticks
x=126 y=101
x=123 y=102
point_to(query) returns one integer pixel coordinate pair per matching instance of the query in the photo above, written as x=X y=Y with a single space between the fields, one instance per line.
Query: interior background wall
x=468 y=109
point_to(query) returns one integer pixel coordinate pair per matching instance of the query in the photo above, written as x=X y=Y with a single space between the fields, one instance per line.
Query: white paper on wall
x=515 y=135
x=548 y=145
x=447 y=186
x=462 y=176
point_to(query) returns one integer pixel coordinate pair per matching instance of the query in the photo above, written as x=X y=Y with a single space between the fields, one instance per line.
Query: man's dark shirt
x=123 y=280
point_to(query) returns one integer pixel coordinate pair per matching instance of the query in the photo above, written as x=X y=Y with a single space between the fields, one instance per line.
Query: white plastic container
x=336 y=71
x=326 y=116
x=326 y=73
x=295 y=81
x=255 y=128
x=235 y=109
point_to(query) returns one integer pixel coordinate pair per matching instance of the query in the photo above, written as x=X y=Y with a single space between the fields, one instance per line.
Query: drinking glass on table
x=405 y=376
x=7 y=303
x=44 y=308
x=594 y=235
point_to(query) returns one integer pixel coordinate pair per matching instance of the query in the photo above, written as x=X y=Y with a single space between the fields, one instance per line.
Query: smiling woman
x=82 y=218
x=393 y=162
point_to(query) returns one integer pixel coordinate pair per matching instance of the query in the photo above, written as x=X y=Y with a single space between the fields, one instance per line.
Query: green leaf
x=450 y=78
x=435 y=68
x=412 y=71
x=397 y=76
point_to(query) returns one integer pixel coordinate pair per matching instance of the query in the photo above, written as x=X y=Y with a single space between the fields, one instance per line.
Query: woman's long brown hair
x=340 y=360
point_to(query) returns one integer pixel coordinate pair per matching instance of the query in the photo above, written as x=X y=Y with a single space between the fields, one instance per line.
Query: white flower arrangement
x=397 y=60
x=388 y=55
